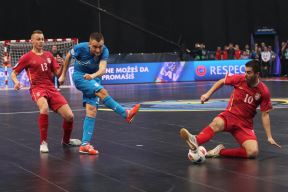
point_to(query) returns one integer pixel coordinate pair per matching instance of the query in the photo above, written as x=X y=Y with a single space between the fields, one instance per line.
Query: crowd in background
x=262 y=52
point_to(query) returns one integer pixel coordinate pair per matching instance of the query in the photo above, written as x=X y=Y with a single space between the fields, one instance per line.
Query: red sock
x=235 y=152
x=67 y=128
x=43 y=126
x=205 y=135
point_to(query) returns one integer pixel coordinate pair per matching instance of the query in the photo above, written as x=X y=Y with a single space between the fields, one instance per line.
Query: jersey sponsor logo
x=84 y=63
x=49 y=60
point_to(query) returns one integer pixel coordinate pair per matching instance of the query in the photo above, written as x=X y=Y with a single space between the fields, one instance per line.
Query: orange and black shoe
x=132 y=112
x=88 y=149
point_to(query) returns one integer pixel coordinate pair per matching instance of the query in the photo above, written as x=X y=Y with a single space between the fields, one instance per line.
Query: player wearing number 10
x=249 y=93
x=39 y=66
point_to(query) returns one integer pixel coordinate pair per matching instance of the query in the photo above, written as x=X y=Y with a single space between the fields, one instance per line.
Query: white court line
x=31 y=112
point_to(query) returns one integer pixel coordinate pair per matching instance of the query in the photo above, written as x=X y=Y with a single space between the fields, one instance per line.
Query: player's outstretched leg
x=115 y=106
x=215 y=152
x=189 y=138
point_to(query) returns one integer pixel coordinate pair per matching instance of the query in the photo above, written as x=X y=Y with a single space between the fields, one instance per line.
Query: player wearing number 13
x=249 y=93
x=40 y=66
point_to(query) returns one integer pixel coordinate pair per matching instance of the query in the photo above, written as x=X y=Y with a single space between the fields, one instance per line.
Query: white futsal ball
x=198 y=156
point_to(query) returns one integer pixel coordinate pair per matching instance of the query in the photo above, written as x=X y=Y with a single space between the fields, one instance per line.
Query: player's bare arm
x=58 y=72
x=99 y=73
x=65 y=68
x=205 y=97
x=17 y=84
x=266 y=124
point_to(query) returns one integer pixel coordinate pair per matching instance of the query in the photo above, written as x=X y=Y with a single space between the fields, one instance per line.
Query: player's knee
x=91 y=111
x=252 y=153
x=102 y=93
x=216 y=127
x=44 y=109
x=69 y=117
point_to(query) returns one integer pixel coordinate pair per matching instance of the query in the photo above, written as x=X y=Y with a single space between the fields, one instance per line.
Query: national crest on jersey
x=257 y=96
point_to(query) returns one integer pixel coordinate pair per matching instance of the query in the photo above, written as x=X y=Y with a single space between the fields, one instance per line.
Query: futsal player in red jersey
x=40 y=66
x=249 y=93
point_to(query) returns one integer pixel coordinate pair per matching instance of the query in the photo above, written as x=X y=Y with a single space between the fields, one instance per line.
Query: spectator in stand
x=253 y=54
x=197 y=52
x=245 y=54
x=284 y=59
x=225 y=53
x=218 y=53
x=272 y=60
x=231 y=51
x=204 y=52
x=263 y=45
x=237 y=53
x=265 y=61
x=258 y=54
x=247 y=49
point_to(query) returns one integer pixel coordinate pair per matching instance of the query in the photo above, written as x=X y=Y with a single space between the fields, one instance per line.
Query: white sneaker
x=44 y=147
x=189 y=138
x=215 y=152
x=72 y=143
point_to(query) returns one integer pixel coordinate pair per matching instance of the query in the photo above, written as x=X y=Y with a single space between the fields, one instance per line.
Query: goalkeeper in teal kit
x=90 y=64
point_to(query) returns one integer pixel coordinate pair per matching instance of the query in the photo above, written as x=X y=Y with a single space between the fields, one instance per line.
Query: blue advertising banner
x=217 y=69
x=155 y=72
x=147 y=72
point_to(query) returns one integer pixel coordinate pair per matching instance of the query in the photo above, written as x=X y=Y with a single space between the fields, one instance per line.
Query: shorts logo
x=201 y=70
x=38 y=94
x=96 y=84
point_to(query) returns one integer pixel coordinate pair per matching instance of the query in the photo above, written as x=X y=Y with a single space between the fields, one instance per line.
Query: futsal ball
x=198 y=156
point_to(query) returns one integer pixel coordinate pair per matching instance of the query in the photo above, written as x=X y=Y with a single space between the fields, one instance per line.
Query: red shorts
x=54 y=98
x=241 y=130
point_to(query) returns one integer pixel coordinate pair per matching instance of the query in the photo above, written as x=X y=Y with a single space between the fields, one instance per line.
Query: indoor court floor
x=145 y=156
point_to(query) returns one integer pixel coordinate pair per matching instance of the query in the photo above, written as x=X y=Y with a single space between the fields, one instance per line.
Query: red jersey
x=218 y=55
x=39 y=68
x=245 y=100
x=225 y=55
x=237 y=54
